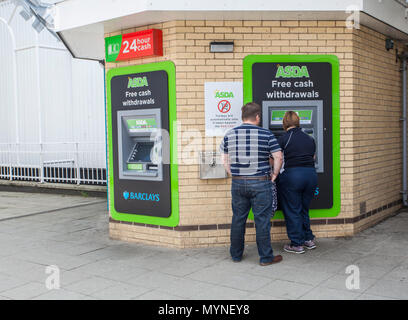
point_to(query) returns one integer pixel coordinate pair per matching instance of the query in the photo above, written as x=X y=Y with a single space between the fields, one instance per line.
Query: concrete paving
x=19 y=204
x=91 y=266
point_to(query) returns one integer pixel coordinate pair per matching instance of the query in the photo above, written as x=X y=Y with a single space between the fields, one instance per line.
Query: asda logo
x=223 y=94
x=137 y=82
x=113 y=48
x=292 y=72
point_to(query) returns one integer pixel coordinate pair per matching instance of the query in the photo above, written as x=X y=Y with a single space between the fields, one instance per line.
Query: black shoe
x=276 y=259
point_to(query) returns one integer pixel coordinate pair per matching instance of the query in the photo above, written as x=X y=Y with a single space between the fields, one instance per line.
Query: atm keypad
x=141 y=152
x=133 y=154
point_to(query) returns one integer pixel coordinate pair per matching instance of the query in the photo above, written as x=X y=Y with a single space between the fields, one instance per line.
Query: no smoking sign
x=224 y=106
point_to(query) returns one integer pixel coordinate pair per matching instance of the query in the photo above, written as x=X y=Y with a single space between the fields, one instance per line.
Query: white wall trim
x=76 y=13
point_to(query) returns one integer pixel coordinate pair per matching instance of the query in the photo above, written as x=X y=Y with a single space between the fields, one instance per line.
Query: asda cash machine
x=309 y=86
x=141 y=141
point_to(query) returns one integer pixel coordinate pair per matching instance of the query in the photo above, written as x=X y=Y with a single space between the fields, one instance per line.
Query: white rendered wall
x=48 y=100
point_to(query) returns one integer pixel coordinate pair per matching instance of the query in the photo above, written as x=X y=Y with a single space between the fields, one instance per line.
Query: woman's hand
x=273 y=177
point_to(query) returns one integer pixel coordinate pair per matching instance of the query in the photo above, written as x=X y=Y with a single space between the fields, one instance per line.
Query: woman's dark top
x=299 y=148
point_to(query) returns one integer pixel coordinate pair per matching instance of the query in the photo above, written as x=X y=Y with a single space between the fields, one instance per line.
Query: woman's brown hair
x=291 y=119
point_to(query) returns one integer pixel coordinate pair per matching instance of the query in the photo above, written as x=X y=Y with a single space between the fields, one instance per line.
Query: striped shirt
x=249 y=148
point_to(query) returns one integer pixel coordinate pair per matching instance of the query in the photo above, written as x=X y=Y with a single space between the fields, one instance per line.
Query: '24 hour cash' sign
x=141 y=44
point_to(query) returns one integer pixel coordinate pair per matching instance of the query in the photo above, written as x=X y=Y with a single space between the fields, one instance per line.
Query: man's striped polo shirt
x=249 y=148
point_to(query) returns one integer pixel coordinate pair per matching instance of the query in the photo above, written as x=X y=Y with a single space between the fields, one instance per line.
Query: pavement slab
x=18 y=204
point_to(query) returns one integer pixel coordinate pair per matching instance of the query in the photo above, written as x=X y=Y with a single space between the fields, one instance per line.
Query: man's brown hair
x=250 y=111
x=291 y=119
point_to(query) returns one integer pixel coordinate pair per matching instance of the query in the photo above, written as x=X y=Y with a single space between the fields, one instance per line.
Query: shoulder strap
x=290 y=137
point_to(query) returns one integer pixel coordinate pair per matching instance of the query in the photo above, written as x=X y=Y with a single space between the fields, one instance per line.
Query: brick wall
x=369 y=85
x=377 y=140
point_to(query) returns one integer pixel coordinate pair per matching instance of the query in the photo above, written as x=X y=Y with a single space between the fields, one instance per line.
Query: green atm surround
x=173 y=219
x=248 y=63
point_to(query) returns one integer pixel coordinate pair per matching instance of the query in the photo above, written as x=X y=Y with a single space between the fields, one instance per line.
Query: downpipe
x=403 y=57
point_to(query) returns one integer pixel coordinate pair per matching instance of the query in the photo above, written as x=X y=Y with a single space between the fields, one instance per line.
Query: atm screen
x=304 y=115
x=141 y=124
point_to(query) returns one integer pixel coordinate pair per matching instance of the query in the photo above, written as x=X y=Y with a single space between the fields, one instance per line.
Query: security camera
x=389 y=44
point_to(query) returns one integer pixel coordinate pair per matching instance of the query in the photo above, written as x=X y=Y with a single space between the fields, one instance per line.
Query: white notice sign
x=223 y=102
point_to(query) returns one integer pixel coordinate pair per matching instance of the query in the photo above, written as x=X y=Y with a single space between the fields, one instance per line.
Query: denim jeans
x=296 y=188
x=261 y=197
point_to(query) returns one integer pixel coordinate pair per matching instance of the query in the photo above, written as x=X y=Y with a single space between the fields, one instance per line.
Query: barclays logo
x=141 y=196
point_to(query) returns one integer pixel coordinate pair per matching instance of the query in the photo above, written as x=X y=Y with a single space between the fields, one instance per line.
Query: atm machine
x=140 y=151
x=142 y=143
x=311 y=121
x=276 y=83
x=310 y=113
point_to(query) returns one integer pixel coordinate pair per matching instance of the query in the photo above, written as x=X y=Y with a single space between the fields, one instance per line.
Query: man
x=246 y=151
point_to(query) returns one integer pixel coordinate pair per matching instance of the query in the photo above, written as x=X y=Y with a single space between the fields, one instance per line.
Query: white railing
x=65 y=162
x=403 y=3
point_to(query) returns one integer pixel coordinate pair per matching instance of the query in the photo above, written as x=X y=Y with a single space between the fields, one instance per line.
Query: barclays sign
x=141 y=196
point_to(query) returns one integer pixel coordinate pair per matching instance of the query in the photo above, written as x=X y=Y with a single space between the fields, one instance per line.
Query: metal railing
x=65 y=162
x=403 y=3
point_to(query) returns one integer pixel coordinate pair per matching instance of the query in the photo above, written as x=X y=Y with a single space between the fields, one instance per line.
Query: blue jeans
x=296 y=188
x=261 y=197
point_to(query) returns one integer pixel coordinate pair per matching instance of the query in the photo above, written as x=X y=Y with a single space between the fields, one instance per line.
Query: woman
x=297 y=183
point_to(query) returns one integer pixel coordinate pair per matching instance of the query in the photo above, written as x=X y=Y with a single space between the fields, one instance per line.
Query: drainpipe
x=404 y=56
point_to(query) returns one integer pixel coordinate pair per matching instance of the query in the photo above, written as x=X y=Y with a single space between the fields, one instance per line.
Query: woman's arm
x=277 y=160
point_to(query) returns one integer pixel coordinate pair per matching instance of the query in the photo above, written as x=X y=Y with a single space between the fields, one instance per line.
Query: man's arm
x=226 y=162
x=224 y=154
x=277 y=164
x=277 y=155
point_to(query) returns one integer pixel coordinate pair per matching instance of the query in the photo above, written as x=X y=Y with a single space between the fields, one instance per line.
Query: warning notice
x=223 y=102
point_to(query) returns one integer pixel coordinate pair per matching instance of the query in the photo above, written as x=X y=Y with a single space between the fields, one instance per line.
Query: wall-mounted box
x=211 y=166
